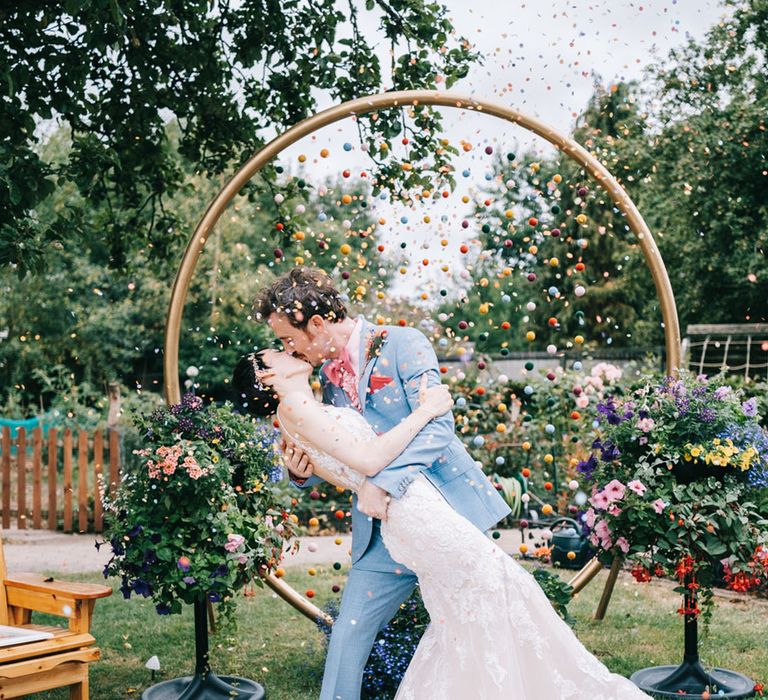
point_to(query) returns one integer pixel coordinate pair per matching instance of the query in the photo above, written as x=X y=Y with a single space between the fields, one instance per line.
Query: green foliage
x=197 y=517
x=558 y=591
x=103 y=324
x=224 y=73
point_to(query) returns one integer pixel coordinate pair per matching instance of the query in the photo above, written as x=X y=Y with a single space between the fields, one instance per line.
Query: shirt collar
x=353 y=345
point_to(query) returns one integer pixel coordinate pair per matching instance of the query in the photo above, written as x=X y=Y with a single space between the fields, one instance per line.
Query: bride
x=493 y=634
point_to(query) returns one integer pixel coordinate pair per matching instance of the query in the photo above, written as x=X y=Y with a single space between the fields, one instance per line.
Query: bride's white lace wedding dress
x=493 y=634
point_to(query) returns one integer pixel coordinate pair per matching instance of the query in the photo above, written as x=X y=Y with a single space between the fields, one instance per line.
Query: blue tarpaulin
x=29 y=424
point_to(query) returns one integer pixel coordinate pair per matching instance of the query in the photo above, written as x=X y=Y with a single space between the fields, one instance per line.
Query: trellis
x=734 y=347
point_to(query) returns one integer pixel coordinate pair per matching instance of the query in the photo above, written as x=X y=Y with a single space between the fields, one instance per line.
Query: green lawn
x=283 y=650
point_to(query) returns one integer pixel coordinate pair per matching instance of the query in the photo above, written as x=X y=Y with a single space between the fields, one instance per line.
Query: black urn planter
x=690 y=678
x=204 y=684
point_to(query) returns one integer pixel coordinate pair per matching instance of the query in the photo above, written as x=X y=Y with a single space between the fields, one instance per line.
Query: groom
x=376 y=370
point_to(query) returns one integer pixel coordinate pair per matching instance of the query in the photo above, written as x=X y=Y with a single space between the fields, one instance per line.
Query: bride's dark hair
x=251 y=395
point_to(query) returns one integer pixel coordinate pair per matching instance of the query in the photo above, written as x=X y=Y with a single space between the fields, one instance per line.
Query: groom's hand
x=372 y=500
x=296 y=461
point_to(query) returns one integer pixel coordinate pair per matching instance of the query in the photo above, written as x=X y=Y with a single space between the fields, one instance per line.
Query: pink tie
x=341 y=373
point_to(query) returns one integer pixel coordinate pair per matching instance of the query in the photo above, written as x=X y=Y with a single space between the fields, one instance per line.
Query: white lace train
x=494 y=634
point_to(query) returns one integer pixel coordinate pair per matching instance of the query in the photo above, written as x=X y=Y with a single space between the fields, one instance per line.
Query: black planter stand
x=690 y=677
x=205 y=684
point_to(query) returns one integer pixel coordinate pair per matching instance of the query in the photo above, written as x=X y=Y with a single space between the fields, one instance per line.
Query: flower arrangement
x=674 y=470
x=197 y=516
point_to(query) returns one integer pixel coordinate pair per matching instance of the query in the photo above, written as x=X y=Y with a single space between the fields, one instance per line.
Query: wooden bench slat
x=71 y=589
x=73 y=674
x=48 y=663
x=64 y=641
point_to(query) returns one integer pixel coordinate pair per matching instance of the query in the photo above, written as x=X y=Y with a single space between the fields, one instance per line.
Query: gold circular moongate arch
x=404 y=99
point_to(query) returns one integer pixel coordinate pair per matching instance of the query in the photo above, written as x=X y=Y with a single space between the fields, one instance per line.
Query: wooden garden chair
x=50 y=663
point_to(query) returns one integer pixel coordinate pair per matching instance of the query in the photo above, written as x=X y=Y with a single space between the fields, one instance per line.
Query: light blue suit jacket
x=404 y=356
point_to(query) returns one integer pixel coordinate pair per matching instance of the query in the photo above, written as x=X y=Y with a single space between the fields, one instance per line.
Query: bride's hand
x=436 y=400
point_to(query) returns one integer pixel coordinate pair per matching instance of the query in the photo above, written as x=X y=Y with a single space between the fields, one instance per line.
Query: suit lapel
x=335 y=394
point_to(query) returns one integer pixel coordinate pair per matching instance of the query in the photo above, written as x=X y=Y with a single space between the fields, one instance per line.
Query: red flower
x=684 y=567
x=641 y=574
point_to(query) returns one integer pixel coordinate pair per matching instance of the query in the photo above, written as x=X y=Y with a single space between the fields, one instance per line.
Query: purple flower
x=214 y=596
x=608 y=409
x=587 y=467
x=721 y=392
x=142 y=587
x=189 y=580
x=750 y=407
x=707 y=415
x=609 y=452
x=163 y=609
x=150 y=557
x=125 y=588
x=221 y=570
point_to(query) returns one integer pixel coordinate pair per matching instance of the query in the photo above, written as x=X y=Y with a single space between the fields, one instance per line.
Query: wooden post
x=82 y=481
x=67 y=480
x=610 y=582
x=21 y=479
x=6 y=477
x=37 y=485
x=114 y=461
x=113 y=415
x=98 y=472
x=52 y=478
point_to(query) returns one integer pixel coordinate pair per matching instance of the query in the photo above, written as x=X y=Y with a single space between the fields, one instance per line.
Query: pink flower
x=659 y=505
x=604 y=533
x=637 y=486
x=589 y=517
x=582 y=401
x=622 y=544
x=614 y=490
x=613 y=509
x=242 y=559
x=645 y=424
x=234 y=542
x=600 y=500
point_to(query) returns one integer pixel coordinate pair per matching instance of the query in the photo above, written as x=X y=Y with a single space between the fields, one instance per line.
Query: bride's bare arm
x=327 y=431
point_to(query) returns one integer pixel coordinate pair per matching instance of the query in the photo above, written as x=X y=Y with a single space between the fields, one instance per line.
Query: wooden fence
x=54 y=481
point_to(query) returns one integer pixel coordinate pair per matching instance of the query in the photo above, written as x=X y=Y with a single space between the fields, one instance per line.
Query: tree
x=547 y=234
x=705 y=195
x=85 y=322
x=225 y=72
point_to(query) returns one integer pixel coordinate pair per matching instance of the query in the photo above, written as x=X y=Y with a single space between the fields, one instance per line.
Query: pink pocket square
x=379 y=381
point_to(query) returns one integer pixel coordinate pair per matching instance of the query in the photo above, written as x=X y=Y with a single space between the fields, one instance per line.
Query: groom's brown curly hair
x=299 y=294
